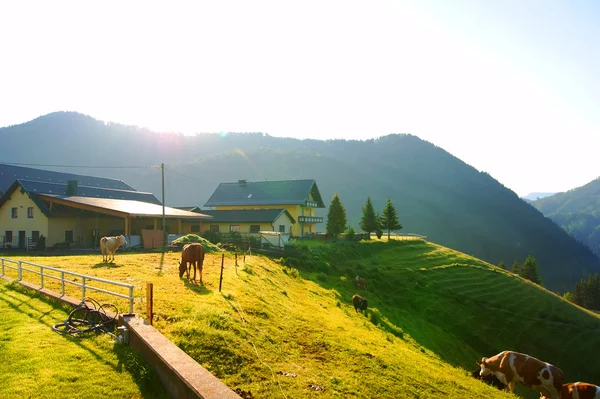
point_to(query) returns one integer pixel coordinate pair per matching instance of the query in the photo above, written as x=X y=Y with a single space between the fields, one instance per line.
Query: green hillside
x=578 y=212
x=282 y=325
x=435 y=194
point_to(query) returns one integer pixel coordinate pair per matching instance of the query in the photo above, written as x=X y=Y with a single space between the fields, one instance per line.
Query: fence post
x=131 y=299
x=62 y=283
x=221 y=278
x=42 y=276
x=20 y=270
x=149 y=301
x=83 y=289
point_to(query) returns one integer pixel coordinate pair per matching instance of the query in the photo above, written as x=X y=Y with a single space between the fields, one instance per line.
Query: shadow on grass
x=108 y=265
x=145 y=378
x=197 y=287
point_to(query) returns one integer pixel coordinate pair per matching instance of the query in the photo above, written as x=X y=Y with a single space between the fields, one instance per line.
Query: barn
x=64 y=209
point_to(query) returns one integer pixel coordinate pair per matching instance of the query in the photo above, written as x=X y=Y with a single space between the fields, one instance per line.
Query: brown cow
x=579 y=390
x=359 y=303
x=360 y=282
x=192 y=254
x=511 y=367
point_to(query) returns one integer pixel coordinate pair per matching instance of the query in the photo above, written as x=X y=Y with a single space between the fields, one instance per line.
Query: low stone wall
x=181 y=375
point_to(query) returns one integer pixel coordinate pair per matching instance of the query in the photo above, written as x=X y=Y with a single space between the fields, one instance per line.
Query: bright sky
x=512 y=87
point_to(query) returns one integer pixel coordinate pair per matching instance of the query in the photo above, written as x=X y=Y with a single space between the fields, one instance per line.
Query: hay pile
x=181 y=241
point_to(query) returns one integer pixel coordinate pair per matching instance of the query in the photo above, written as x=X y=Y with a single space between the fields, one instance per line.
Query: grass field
x=282 y=326
x=39 y=363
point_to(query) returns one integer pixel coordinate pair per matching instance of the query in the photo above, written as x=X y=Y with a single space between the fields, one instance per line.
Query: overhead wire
x=79 y=166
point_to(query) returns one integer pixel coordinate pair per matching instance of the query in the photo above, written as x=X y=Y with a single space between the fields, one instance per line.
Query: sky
x=511 y=87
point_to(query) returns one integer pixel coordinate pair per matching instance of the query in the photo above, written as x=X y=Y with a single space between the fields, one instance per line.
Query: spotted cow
x=511 y=367
x=579 y=390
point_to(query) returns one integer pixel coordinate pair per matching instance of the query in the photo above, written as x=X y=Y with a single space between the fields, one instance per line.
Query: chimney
x=242 y=183
x=72 y=187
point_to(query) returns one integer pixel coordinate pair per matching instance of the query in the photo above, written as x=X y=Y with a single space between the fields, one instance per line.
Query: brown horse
x=191 y=255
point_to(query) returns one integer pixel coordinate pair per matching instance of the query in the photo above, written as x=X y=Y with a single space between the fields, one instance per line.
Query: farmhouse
x=285 y=206
x=66 y=208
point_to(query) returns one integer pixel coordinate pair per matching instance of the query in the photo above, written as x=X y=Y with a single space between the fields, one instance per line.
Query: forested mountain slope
x=577 y=211
x=435 y=193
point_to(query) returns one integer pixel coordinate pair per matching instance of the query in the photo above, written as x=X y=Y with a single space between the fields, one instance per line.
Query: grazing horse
x=109 y=245
x=191 y=255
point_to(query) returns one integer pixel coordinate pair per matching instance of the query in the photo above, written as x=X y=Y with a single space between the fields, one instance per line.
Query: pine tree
x=368 y=221
x=389 y=218
x=378 y=230
x=336 y=217
x=529 y=270
x=501 y=265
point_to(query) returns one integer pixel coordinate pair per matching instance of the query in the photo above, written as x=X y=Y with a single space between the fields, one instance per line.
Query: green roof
x=247 y=215
x=283 y=192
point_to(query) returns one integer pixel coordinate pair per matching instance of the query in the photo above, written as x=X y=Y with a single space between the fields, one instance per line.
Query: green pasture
x=39 y=363
x=284 y=327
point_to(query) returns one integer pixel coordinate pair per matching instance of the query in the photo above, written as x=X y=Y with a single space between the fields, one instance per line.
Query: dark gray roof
x=283 y=192
x=60 y=190
x=10 y=173
x=247 y=215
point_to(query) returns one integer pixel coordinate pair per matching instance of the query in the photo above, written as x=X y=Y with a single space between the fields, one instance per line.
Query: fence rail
x=20 y=266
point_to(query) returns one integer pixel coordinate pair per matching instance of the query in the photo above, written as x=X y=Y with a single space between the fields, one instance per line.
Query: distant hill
x=435 y=193
x=535 y=196
x=578 y=212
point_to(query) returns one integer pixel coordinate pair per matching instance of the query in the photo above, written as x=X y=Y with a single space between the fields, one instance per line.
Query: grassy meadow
x=286 y=327
x=39 y=363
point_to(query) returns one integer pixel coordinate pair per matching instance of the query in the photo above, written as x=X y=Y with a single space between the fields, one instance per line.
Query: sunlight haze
x=510 y=87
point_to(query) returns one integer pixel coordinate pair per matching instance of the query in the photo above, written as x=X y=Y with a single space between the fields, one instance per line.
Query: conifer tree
x=368 y=221
x=336 y=217
x=389 y=218
x=529 y=270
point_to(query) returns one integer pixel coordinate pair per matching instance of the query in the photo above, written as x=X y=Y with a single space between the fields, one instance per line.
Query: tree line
x=370 y=221
x=586 y=293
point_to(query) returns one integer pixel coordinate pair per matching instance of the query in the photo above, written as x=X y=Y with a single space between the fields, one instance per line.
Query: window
x=214 y=228
x=13 y=213
x=254 y=228
x=234 y=228
x=282 y=228
x=30 y=212
x=195 y=228
x=8 y=235
x=35 y=236
x=69 y=236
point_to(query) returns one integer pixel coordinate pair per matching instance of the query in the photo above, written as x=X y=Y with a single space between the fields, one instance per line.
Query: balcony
x=310 y=219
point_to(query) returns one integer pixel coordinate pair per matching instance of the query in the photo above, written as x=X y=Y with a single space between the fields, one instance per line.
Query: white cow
x=109 y=245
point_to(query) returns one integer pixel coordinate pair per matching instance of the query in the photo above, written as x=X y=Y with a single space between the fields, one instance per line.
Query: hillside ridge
x=435 y=193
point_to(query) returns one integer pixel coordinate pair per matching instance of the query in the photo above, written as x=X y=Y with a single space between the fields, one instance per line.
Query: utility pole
x=164 y=226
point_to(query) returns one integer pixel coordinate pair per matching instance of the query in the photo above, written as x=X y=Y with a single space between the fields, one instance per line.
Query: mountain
x=578 y=212
x=435 y=193
x=535 y=196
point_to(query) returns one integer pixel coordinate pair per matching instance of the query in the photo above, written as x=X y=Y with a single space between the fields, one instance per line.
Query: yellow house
x=74 y=209
x=299 y=198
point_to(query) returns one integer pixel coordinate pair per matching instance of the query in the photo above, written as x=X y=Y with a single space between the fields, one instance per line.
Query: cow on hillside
x=192 y=254
x=579 y=390
x=360 y=282
x=488 y=379
x=359 y=303
x=109 y=245
x=511 y=367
